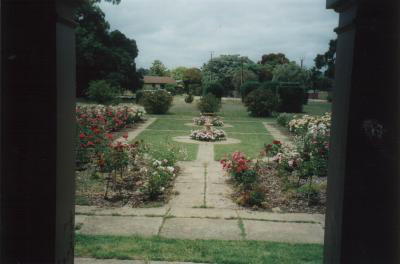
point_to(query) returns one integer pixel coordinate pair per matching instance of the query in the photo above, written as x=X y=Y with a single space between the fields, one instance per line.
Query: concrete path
x=202 y=209
x=139 y=129
x=276 y=134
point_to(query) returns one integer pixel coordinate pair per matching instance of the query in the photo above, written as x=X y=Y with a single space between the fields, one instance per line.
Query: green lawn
x=233 y=113
x=161 y=139
x=206 y=251
x=317 y=108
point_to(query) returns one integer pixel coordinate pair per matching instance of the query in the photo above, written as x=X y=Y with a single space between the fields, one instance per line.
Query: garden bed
x=279 y=198
x=119 y=173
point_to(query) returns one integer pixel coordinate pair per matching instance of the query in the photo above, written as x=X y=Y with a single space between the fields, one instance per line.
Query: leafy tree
x=240 y=77
x=318 y=81
x=223 y=68
x=143 y=71
x=274 y=59
x=158 y=69
x=290 y=72
x=192 y=77
x=264 y=72
x=101 y=54
x=215 y=88
x=178 y=73
x=248 y=87
x=326 y=62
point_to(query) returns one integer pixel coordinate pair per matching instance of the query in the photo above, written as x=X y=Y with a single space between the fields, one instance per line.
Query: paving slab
x=205 y=153
x=286 y=217
x=121 y=225
x=276 y=134
x=129 y=211
x=216 y=178
x=137 y=130
x=220 y=201
x=184 y=177
x=218 y=188
x=189 y=187
x=203 y=213
x=84 y=209
x=201 y=228
x=80 y=220
x=187 y=201
x=284 y=232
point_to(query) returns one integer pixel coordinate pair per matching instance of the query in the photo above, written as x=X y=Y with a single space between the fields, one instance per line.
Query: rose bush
x=215 y=120
x=95 y=124
x=208 y=135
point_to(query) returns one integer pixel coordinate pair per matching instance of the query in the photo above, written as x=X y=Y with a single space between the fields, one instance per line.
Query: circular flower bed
x=208 y=135
x=215 y=121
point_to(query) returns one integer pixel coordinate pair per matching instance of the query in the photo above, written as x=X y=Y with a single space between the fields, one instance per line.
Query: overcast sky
x=184 y=32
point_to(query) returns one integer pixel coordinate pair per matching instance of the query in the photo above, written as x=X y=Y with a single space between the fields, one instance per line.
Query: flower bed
x=260 y=185
x=117 y=173
x=214 y=120
x=309 y=157
x=127 y=174
x=95 y=124
x=208 y=135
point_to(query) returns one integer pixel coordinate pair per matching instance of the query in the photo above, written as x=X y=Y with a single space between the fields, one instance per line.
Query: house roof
x=158 y=80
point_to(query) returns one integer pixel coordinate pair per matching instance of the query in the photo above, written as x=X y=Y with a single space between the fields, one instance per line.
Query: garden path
x=277 y=134
x=201 y=209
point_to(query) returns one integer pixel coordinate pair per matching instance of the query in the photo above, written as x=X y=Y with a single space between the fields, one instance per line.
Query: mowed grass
x=159 y=140
x=249 y=130
x=251 y=145
x=317 y=108
x=205 y=251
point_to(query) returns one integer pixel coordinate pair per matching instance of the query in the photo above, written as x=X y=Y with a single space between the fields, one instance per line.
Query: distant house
x=157 y=81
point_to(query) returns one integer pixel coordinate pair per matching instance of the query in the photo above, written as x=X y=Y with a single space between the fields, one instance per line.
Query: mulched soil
x=91 y=191
x=289 y=201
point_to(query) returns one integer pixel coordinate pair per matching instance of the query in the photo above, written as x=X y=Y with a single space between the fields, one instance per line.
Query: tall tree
x=101 y=54
x=326 y=62
x=178 y=73
x=223 y=68
x=158 y=69
x=290 y=72
x=192 y=76
x=274 y=59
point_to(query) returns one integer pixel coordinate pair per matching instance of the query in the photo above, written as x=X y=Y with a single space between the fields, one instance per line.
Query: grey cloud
x=183 y=32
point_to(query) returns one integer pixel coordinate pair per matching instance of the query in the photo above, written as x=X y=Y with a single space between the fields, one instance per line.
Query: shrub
x=209 y=104
x=138 y=95
x=292 y=98
x=171 y=88
x=215 y=88
x=189 y=98
x=329 y=98
x=196 y=89
x=248 y=87
x=283 y=119
x=261 y=102
x=101 y=92
x=270 y=85
x=156 y=102
x=256 y=197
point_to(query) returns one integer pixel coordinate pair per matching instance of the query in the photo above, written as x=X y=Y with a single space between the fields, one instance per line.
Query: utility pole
x=241 y=76
x=301 y=62
x=211 y=63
